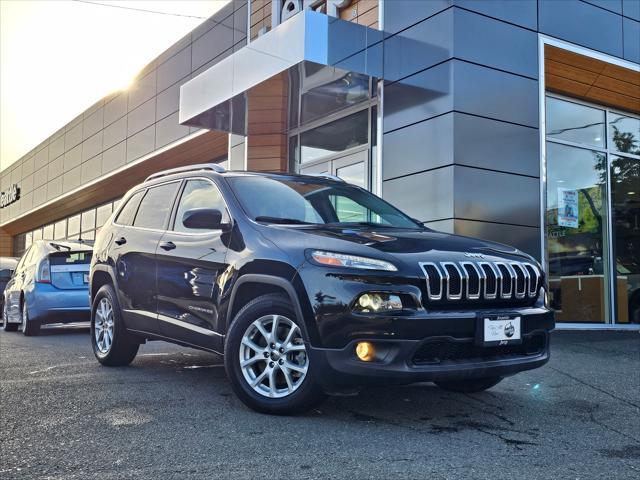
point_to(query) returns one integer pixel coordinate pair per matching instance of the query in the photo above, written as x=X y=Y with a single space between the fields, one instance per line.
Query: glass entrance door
x=592 y=218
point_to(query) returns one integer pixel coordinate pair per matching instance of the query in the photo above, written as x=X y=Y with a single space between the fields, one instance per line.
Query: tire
x=288 y=384
x=470 y=386
x=112 y=344
x=8 y=327
x=29 y=327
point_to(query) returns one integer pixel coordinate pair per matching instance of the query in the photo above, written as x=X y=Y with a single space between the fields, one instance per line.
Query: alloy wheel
x=103 y=326
x=273 y=357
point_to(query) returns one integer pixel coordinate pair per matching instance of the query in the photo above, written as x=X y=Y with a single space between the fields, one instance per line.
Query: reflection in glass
x=625 y=197
x=37 y=234
x=329 y=90
x=60 y=230
x=89 y=220
x=624 y=133
x=47 y=233
x=575 y=123
x=334 y=137
x=353 y=174
x=102 y=214
x=576 y=220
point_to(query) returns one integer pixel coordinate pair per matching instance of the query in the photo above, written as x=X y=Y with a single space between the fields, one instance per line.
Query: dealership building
x=515 y=121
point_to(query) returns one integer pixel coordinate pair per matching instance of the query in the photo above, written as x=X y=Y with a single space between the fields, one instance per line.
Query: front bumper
x=406 y=361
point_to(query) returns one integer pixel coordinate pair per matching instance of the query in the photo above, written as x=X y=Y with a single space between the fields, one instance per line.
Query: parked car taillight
x=43 y=274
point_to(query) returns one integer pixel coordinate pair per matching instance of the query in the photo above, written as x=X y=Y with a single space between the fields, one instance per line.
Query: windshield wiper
x=59 y=246
x=363 y=224
x=282 y=220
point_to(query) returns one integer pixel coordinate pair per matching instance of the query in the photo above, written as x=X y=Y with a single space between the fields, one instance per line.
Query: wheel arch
x=100 y=275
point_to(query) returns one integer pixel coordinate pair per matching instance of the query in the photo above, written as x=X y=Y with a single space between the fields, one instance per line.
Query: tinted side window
x=5 y=275
x=199 y=194
x=155 y=206
x=128 y=212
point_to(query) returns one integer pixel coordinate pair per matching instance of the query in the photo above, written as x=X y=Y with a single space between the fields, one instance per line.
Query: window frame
x=176 y=203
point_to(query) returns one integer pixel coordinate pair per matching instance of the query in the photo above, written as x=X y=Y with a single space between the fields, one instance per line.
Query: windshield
x=301 y=201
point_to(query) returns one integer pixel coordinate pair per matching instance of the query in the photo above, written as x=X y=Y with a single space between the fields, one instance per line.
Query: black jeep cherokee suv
x=309 y=286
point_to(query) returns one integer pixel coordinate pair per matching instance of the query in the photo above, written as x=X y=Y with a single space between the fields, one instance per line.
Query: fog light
x=378 y=302
x=365 y=351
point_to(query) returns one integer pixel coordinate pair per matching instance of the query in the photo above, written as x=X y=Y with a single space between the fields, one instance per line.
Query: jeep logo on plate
x=509 y=330
x=473 y=255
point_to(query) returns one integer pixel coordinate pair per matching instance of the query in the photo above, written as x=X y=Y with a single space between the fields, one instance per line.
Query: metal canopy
x=217 y=98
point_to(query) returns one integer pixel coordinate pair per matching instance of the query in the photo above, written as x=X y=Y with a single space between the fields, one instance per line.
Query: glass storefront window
x=576 y=221
x=73 y=226
x=37 y=234
x=353 y=174
x=625 y=199
x=335 y=137
x=593 y=213
x=575 y=123
x=47 y=232
x=102 y=214
x=88 y=220
x=624 y=133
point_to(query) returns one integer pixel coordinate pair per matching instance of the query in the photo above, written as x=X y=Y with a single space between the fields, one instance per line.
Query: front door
x=190 y=262
x=352 y=168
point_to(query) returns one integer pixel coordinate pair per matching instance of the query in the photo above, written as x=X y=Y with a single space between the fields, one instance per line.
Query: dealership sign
x=10 y=196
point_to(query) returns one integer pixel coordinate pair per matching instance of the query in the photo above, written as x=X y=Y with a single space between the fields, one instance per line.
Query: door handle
x=167 y=246
x=121 y=241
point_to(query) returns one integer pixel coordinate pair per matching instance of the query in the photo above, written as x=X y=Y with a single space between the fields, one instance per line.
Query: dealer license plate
x=501 y=330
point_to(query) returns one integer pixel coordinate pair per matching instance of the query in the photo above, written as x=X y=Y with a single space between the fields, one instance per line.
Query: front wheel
x=470 y=386
x=266 y=358
x=112 y=345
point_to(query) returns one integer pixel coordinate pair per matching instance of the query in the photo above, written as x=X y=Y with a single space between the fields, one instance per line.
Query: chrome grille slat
x=501 y=280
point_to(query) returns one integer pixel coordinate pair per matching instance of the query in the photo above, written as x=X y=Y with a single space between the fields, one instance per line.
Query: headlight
x=378 y=302
x=333 y=259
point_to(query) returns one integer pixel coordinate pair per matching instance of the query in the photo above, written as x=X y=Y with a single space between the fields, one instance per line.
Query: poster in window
x=568 y=208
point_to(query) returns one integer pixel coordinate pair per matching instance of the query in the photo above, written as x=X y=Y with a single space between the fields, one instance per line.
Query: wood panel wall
x=260 y=16
x=593 y=80
x=202 y=149
x=6 y=245
x=267 y=125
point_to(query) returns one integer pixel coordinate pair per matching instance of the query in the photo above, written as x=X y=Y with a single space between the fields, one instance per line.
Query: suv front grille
x=481 y=281
x=443 y=350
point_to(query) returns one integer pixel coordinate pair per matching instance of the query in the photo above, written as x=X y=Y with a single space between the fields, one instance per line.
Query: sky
x=59 y=57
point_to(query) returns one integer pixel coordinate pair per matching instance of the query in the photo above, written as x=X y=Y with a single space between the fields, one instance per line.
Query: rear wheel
x=266 y=358
x=30 y=328
x=112 y=344
x=8 y=327
x=471 y=385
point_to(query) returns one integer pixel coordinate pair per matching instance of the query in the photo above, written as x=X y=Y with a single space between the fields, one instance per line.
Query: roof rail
x=326 y=175
x=214 y=167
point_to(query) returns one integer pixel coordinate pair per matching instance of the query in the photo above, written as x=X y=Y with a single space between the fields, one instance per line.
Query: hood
x=404 y=245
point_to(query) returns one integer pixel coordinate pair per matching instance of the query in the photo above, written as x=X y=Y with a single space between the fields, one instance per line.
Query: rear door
x=189 y=264
x=140 y=225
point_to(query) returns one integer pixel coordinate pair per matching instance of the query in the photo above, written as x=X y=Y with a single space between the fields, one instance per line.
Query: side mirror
x=203 y=219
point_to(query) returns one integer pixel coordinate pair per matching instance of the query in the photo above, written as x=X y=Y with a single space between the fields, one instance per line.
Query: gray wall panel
x=491 y=93
x=93 y=123
x=174 y=69
x=40 y=195
x=483 y=40
x=582 y=23
x=212 y=44
x=142 y=90
x=526 y=239
x=56 y=148
x=496 y=197
x=92 y=146
x=39 y=177
x=54 y=188
x=169 y=130
x=419 y=97
x=115 y=109
x=141 y=117
x=73 y=158
x=71 y=179
x=422 y=146
x=73 y=137
x=425 y=196
x=27 y=166
x=141 y=143
x=520 y=12
x=496 y=145
x=631 y=40
x=400 y=14
x=613 y=5
x=91 y=169
x=115 y=133
x=54 y=169
x=26 y=185
x=41 y=158
x=114 y=157
x=168 y=101
x=419 y=47
x=631 y=9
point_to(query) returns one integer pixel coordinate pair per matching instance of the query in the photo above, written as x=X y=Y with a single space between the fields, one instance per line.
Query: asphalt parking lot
x=172 y=414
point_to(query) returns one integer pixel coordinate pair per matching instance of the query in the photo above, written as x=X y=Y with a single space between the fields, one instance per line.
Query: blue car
x=49 y=285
